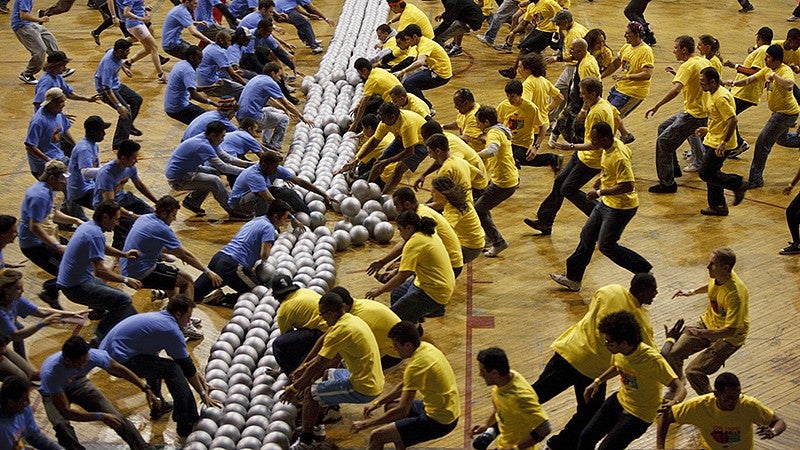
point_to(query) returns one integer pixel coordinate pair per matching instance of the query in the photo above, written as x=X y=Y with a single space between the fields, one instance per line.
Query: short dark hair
x=430 y=128
x=362 y=63
x=765 y=34
x=344 y=294
x=710 y=73
x=105 y=208
x=397 y=91
x=247 y=123
x=6 y=222
x=775 y=51
x=404 y=194
x=593 y=85
x=167 y=204
x=180 y=304
x=384 y=28
x=621 y=326
x=464 y=94
x=641 y=282
x=405 y=332
x=793 y=33
x=122 y=44
x=331 y=301
x=270 y=68
x=603 y=130
x=215 y=127
x=14 y=387
x=514 y=87
x=438 y=141
x=370 y=121
x=265 y=4
x=725 y=256
x=127 y=148
x=389 y=108
x=534 y=63
x=486 y=113
x=412 y=30
x=685 y=42
x=726 y=380
x=74 y=348
x=277 y=207
x=494 y=358
x=192 y=50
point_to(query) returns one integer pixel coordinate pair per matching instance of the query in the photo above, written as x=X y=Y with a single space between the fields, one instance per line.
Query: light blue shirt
x=182 y=79
x=87 y=244
x=44 y=132
x=205 y=12
x=84 y=156
x=199 y=124
x=239 y=143
x=56 y=376
x=284 y=6
x=176 y=20
x=245 y=247
x=145 y=334
x=215 y=58
x=107 y=73
x=112 y=177
x=20 y=5
x=188 y=156
x=150 y=235
x=47 y=81
x=253 y=180
x=36 y=206
x=256 y=94
x=137 y=8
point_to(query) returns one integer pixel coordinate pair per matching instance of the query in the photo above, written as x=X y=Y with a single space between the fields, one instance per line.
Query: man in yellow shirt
x=408 y=14
x=452 y=167
x=539 y=13
x=432 y=67
x=723 y=327
x=460 y=149
x=781 y=102
x=517 y=413
x=348 y=340
x=465 y=124
x=725 y=418
x=680 y=127
x=617 y=206
x=637 y=61
x=568 y=30
x=627 y=414
x=299 y=321
x=377 y=84
x=405 y=421
x=567 y=123
x=409 y=102
x=718 y=142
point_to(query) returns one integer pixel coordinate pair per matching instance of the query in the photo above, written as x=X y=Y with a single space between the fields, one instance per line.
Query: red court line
x=468 y=364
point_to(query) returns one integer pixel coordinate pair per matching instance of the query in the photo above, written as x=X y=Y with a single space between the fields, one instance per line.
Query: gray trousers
x=775 y=130
x=273 y=124
x=490 y=198
x=40 y=42
x=671 y=134
x=84 y=394
x=12 y=363
x=229 y=88
x=503 y=14
x=201 y=184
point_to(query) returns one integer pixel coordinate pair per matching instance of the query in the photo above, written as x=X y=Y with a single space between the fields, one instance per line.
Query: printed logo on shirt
x=626 y=65
x=538 y=17
x=726 y=435
x=716 y=308
x=57 y=134
x=628 y=379
x=515 y=123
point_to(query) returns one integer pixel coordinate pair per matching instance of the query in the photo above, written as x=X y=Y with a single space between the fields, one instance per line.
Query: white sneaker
x=196 y=321
x=301 y=446
x=191 y=333
x=792 y=18
x=157 y=294
x=495 y=250
x=691 y=168
x=571 y=285
x=482 y=38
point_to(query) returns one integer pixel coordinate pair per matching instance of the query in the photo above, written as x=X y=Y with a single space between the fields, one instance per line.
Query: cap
x=95 y=123
x=562 y=16
x=53 y=94
x=57 y=58
x=282 y=284
x=53 y=167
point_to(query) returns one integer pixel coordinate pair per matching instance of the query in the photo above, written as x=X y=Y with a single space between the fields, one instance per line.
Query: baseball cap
x=95 y=123
x=53 y=94
x=282 y=284
x=54 y=167
x=57 y=58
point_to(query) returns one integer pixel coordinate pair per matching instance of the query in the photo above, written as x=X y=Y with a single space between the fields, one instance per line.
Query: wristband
x=120 y=105
x=39 y=325
x=130 y=213
x=125 y=280
x=597 y=380
x=98 y=416
x=598 y=193
x=56 y=244
x=669 y=339
x=206 y=269
x=572 y=146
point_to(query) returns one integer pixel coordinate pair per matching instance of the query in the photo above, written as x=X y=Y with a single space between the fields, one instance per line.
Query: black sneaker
x=715 y=211
x=792 y=249
x=235 y=216
x=51 y=300
x=163 y=407
x=663 y=189
x=747 y=8
x=649 y=39
x=509 y=73
x=28 y=79
x=97 y=314
x=738 y=194
x=135 y=131
x=752 y=184
x=482 y=441
x=163 y=59
x=40 y=13
x=195 y=209
x=96 y=37
x=539 y=226
x=67 y=72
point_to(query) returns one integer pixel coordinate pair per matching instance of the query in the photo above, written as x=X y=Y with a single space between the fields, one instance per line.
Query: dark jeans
x=716 y=180
x=131 y=100
x=290 y=349
x=48 y=259
x=421 y=80
x=568 y=184
x=536 y=41
x=793 y=219
x=241 y=279
x=411 y=303
x=490 y=198
x=99 y=296
x=611 y=421
x=540 y=160
x=178 y=51
x=304 y=30
x=559 y=375
x=774 y=131
x=671 y=134
x=741 y=105
x=604 y=228
x=635 y=12
x=187 y=114
x=154 y=369
x=131 y=203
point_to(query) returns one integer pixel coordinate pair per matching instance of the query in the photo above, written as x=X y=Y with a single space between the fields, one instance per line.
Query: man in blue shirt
x=182 y=86
x=45 y=131
x=304 y=30
x=235 y=262
x=215 y=66
x=33 y=36
x=109 y=184
x=64 y=382
x=125 y=101
x=204 y=15
x=185 y=170
x=16 y=417
x=84 y=164
x=38 y=235
x=242 y=141
x=136 y=343
x=83 y=268
x=53 y=77
x=177 y=19
x=226 y=109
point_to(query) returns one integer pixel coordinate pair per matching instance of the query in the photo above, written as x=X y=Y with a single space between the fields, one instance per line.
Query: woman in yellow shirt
x=708 y=46
x=461 y=215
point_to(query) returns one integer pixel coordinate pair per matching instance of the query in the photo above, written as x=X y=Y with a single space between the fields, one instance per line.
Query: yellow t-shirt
x=634 y=59
x=539 y=90
x=466 y=224
x=583 y=346
x=429 y=373
x=460 y=148
x=789 y=56
x=427 y=258
x=446 y=233
x=518 y=411
x=588 y=67
x=380 y=319
x=398 y=53
x=688 y=75
x=576 y=31
x=501 y=166
x=540 y=13
x=416 y=105
x=438 y=61
x=378 y=150
x=406 y=127
x=351 y=338
x=752 y=92
x=779 y=100
x=616 y=168
x=300 y=309
x=642 y=373
x=602 y=111
x=412 y=14
x=460 y=172
x=487 y=6
x=468 y=125
x=728 y=307
x=604 y=57
x=380 y=82
x=731 y=430
x=721 y=108
x=523 y=120
x=716 y=63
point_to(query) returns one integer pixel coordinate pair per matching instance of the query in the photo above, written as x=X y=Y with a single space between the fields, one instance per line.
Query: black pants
x=741 y=105
x=48 y=259
x=717 y=180
x=241 y=279
x=540 y=160
x=131 y=100
x=537 y=40
x=611 y=421
x=793 y=218
x=290 y=349
x=568 y=184
x=187 y=114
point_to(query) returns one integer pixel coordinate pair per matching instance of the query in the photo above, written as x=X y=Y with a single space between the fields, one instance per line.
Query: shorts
x=140 y=31
x=338 y=389
x=418 y=427
x=163 y=276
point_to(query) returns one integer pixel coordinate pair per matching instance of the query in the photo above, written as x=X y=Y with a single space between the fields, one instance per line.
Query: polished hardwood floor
x=508 y=301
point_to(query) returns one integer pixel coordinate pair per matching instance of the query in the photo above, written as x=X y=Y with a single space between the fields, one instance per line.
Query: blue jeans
x=241 y=279
x=503 y=14
x=423 y=79
x=604 y=228
x=411 y=303
x=99 y=296
x=490 y=198
x=304 y=30
x=568 y=184
x=619 y=427
x=624 y=103
x=775 y=130
x=671 y=134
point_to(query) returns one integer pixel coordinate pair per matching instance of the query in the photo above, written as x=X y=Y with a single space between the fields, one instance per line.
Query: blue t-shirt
x=84 y=156
x=181 y=80
x=256 y=94
x=112 y=177
x=177 y=19
x=87 y=244
x=13 y=428
x=253 y=180
x=188 y=156
x=107 y=73
x=137 y=8
x=199 y=124
x=284 y=6
x=145 y=334
x=205 y=12
x=48 y=81
x=44 y=133
x=235 y=52
x=250 y=22
x=56 y=376
x=21 y=307
x=245 y=247
x=239 y=143
x=209 y=71
x=150 y=235
x=241 y=8
x=36 y=206
x=21 y=5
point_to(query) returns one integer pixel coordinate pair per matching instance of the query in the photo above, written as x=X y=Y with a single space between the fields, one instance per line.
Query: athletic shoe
x=691 y=168
x=747 y=8
x=738 y=194
x=234 y=216
x=505 y=47
x=627 y=138
x=319 y=433
x=317 y=50
x=162 y=78
x=4 y=10
x=482 y=38
x=40 y=13
x=543 y=228
x=214 y=298
x=738 y=150
x=162 y=59
x=792 y=249
x=135 y=131
x=28 y=79
x=573 y=286
x=301 y=446
x=509 y=73
x=715 y=211
x=433 y=113
x=791 y=18
x=67 y=72
x=196 y=321
x=456 y=50
x=483 y=441
x=195 y=209
x=649 y=39
x=663 y=189
x=191 y=333
x=51 y=301
x=495 y=250
x=157 y=294
x=753 y=184
x=96 y=37
x=164 y=407
x=449 y=45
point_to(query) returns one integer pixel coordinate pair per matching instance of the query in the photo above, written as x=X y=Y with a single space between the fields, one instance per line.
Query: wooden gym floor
x=508 y=301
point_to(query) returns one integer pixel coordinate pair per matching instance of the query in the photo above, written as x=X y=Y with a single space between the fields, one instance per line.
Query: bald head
x=578 y=49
